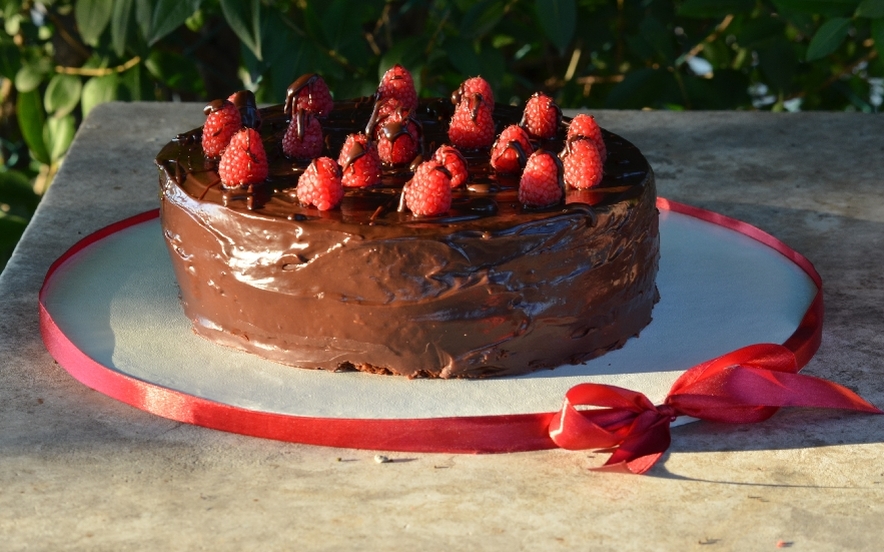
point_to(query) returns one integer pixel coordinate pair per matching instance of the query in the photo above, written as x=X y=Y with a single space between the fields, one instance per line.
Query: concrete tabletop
x=79 y=470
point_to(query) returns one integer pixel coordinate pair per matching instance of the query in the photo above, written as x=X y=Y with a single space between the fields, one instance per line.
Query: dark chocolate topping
x=491 y=288
x=244 y=100
x=291 y=93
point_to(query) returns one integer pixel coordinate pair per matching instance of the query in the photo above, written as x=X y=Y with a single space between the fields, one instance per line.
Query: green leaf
x=121 y=22
x=877 y=32
x=17 y=192
x=29 y=110
x=244 y=18
x=11 y=229
x=493 y=66
x=714 y=8
x=337 y=26
x=144 y=16
x=410 y=52
x=481 y=18
x=10 y=60
x=659 y=38
x=58 y=133
x=135 y=84
x=98 y=90
x=29 y=77
x=558 y=20
x=168 y=15
x=756 y=32
x=92 y=18
x=175 y=71
x=641 y=88
x=870 y=8
x=62 y=95
x=728 y=89
x=827 y=39
x=828 y=8
x=779 y=63
x=463 y=57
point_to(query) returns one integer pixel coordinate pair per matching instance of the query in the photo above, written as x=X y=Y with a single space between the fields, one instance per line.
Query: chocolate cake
x=491 y=287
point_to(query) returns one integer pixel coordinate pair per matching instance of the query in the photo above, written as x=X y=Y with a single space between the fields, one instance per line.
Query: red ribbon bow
x=745 y=386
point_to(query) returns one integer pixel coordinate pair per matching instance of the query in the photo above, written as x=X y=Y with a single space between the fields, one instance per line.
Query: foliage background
x=60 y=58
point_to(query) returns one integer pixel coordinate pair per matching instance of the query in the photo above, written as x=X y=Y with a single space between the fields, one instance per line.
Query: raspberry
x=244 y=100
x=583 y=163
x=222 y=122
x=541 y=117
x=472 y=126
x=472 y=87
x=398 y=138
x=428 y=193
x=541 y=183
x=397 y=83
x=309 y=93
x=511 y=150
x=453 y=161
x=320 y=184
x=585 y=126
x=244 y=161
x=383 y=108
x=359 y=161
x=303 y=138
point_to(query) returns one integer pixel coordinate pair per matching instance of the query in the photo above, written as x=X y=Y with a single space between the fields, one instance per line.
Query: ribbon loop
x=745 y=386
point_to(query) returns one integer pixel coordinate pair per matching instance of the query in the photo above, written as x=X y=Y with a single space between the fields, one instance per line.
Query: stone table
x=79 y=470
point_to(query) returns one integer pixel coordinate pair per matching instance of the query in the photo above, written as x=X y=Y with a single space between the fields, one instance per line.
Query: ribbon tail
x=741 y=394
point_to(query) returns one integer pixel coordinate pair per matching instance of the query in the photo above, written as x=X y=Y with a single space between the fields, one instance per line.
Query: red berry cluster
x=320 y=185
x=244 y=161
x=541 y=117
x=393 y=137
x=541 y=182
x=397 y=135
x=360 y=162
x=309 y=93
x=222 y=122
x=428 y=193
x=472 y=125
x=585 y=126
x=453 y=160
x=511 y=150
x=582 y=163
x=583 y=157
x=303 y=138
x=397 y=83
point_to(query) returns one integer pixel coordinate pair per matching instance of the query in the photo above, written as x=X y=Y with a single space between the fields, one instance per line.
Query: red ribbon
x=745 y=386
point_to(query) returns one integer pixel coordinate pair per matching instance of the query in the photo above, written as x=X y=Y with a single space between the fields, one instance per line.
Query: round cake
x=489 y=287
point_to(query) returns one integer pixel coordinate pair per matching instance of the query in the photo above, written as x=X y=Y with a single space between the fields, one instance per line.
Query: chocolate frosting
x=491 y=288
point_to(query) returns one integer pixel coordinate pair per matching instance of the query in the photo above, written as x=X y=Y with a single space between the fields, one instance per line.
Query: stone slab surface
x=81 y=471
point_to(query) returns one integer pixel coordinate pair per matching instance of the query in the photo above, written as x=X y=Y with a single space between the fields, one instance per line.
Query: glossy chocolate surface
x=492 y=288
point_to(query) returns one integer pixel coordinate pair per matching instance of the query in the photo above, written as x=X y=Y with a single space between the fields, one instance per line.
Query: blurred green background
x=59 y=59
